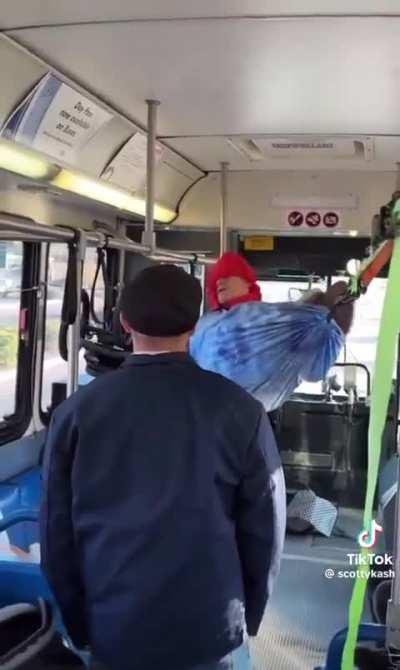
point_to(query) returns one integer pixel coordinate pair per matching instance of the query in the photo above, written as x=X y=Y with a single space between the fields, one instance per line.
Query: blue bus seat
x=369 y=632
x=21 y=581
x=21 y=578
x=20 y=492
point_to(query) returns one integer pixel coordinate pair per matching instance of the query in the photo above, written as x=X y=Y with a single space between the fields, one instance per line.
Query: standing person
x=164 y=502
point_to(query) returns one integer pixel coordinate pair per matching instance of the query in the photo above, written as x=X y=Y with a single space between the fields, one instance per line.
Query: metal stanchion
x=148 y=235
x=223 y=209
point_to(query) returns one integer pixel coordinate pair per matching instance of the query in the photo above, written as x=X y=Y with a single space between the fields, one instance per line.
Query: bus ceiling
x=293 y=101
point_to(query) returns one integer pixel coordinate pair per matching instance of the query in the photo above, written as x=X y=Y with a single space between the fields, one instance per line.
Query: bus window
x=362 y=339
x=288 y=291
x=54 y=367
x=11 y=255
x=89 y=272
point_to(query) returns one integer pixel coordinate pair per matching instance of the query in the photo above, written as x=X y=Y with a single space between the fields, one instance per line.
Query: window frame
x=44 y=415
x=14 y=426
x=348 y=350
x=113 y=265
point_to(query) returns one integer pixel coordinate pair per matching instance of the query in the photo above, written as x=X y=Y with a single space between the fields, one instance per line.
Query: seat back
x=25 y=630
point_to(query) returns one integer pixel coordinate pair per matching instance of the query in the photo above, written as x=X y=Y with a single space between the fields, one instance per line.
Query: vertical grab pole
x=74 y=332
x=398 y=177
x=121 y=228
x=148 y=236
x=223 y=209
x=40 y=340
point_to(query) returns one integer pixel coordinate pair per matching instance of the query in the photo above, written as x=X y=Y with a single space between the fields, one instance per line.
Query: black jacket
x=163 y=514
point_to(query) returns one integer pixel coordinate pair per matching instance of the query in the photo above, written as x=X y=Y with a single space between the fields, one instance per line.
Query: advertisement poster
x=128 y=167
x=56 y=119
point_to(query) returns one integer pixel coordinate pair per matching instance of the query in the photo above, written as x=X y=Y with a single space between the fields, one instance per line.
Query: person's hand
x=335 y=292
x=342 y=313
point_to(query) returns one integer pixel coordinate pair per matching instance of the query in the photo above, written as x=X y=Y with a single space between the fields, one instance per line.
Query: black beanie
x=162 y=301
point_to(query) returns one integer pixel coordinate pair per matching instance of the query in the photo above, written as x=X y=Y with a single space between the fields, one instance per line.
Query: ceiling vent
x=262 y=148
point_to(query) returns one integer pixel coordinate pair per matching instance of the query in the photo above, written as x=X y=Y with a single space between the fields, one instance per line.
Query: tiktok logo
x=367 y=538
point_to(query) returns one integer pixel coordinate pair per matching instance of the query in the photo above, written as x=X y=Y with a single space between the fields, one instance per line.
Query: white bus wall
x=250 y=197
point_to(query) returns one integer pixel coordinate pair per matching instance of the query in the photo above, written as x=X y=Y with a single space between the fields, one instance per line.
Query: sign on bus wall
x=313 y=148
x=56 y=119
x=259 y=243
x=128 y=168
x=298 y=218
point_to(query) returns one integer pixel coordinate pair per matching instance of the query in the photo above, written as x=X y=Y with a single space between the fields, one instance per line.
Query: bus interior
x=168 y=131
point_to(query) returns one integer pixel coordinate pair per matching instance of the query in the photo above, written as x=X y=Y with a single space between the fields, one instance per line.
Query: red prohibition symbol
x=313 y=219
x=295 y=219
x=331 y=219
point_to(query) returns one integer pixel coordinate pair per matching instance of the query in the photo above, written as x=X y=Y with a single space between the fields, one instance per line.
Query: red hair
x=232 y=265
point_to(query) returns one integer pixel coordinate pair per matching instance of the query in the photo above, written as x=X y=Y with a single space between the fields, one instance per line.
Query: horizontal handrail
x=45 y=233
x=357 y=365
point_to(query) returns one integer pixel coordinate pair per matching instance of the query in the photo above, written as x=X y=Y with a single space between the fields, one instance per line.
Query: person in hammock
x=268 y=348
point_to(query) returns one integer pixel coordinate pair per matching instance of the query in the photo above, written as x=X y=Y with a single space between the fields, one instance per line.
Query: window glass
x=200 y=274
x=54 y=367
x=284 y=291
x=89 y=272
x=361 y=341
x=11 y=259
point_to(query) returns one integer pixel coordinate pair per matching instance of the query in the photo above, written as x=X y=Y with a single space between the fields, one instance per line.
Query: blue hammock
x=268 y=348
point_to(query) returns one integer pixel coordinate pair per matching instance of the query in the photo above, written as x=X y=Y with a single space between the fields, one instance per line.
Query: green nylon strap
x=381 y=390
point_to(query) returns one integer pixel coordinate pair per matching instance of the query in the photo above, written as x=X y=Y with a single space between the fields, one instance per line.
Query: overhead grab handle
x=69 y=304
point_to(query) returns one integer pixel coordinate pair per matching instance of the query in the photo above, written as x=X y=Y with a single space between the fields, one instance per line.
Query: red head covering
x=232 y=265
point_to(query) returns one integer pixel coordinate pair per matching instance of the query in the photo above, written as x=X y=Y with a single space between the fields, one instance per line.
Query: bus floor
x=307 y=607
